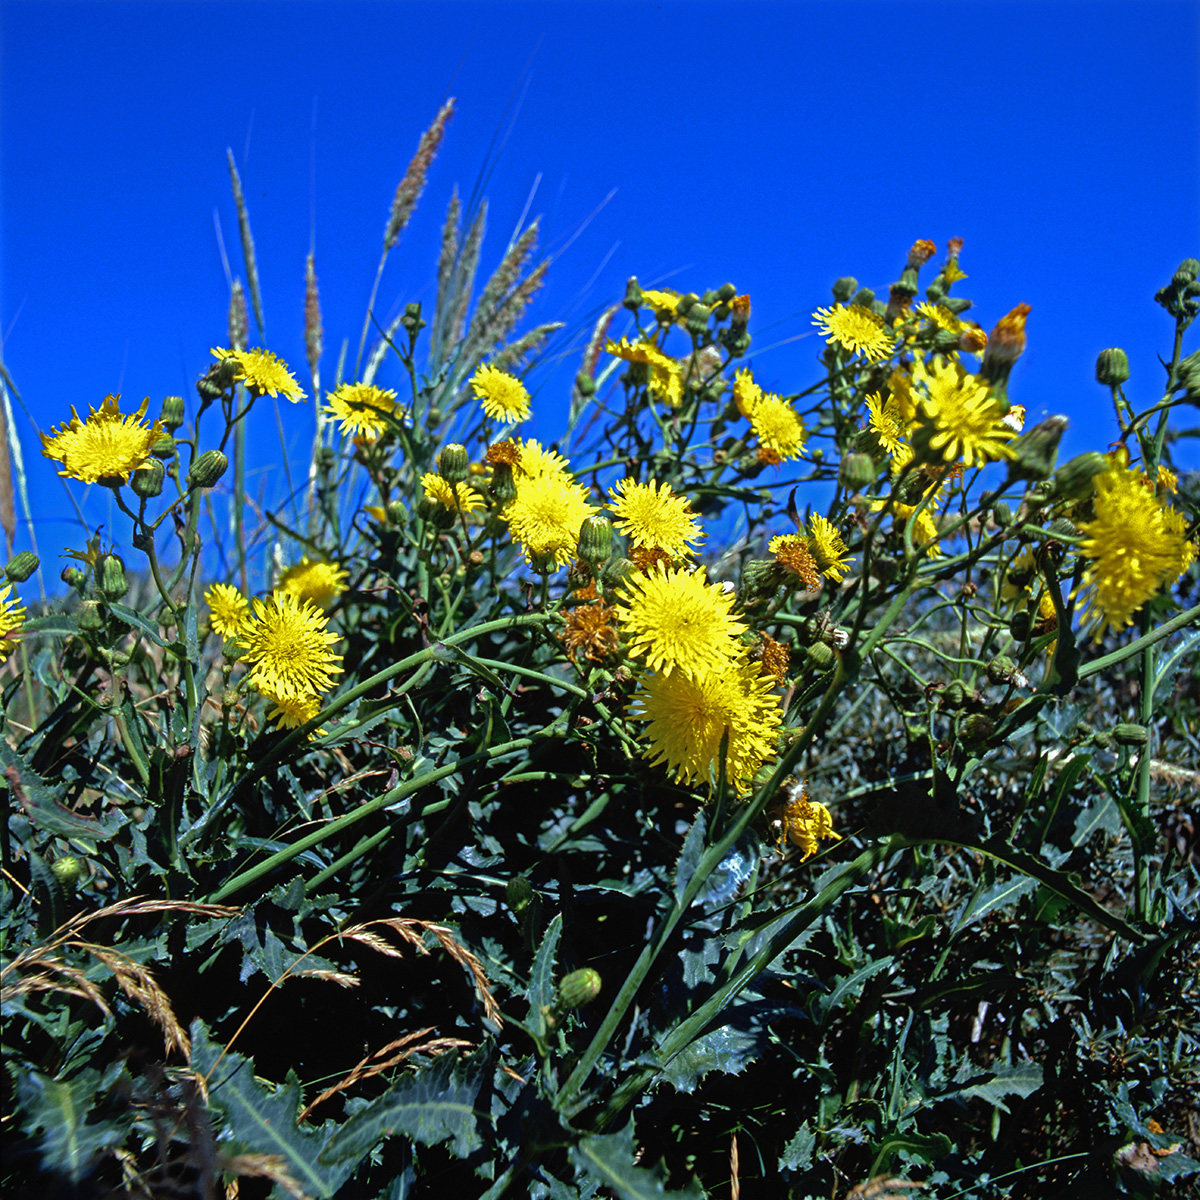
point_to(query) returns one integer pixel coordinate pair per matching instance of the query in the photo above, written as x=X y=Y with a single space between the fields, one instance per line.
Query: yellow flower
x=1135 y=546
x=227 y=609
x=535 y=461
x=805 y=823
x=675 y=620
x=662 y=301
x=460 y=497
x=651 y=514
x=960 y=418
x=746 y=393
x=106 y=447
x=939 y=316
x=792 y=553
x=827 y=548
x=886 y=423
x=665 y=380
x=503 y=397
x=689 y=718
x=362 y=408
x=856 y=329
x=778 y=427
x=12 y=617
x=546 y=514
x=287 y=646
x=320 y=582
x=90 y=555
x=263 y=373
x=290 y=712
x=925 y=528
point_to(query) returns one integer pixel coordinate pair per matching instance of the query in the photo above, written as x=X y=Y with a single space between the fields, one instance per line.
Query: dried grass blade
x=139 y=984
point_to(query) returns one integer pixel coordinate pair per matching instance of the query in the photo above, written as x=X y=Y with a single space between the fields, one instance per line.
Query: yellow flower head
x=778 y=427
x=106 y=447
x=363 y=408
x=688 y=718
x=290 y=712
x=228 y=609
x=12 y=617
x=675 y=620
x=503 y=397
x=925 y=528
x=263 y=373
x=961 y=418
x=746 y=393
x=546 y=514
x=827 y=548
x=535 y=461
x=287 y=646
x=651 y=514
x=662 y=301
x=792 y=553
x=665 y=381
x=886 y=423
x=856 y=329
x=804 y=823
x=318 y=581
x=1135 y=546
x=460 y=497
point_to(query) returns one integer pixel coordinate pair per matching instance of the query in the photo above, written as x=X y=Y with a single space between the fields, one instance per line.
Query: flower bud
x=864 y=298
x=616 y=575
x=397 y=514
x=844 y=288
x=595 y=542
x=821 y=656
x=1129 y=734
x=1002 y=514
x=579 y=988
x=856 y=472
x=684 y=304
x=1062 y=528
x=164 y=448
x=518 y=894
x=68 y=870
x=633 y=294
x=726 y=292
x=454 y=463
x=1075 y=480
x=207 y=469
x=110 y=575
x=1187 y=272
x=697 y=319
x=1020 y=625
x=585 y=383
x=147 y=480
x=1037 y=451
x=1112 y=367
x=955 y=695
x=21 y=566
x=71 y=576
x=957 y=305
x=90 y=618
x=503 y=486
x=412 y=321
x=976 y=727
x=172 y=413
x=1001 y=669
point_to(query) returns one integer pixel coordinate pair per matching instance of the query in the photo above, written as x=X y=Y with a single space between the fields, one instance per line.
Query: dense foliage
x=783 y=793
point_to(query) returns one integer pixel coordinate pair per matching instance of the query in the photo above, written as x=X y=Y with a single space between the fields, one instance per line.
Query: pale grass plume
x=409 y=189
x=239 y=198
x=503 y=280
x=239 y=321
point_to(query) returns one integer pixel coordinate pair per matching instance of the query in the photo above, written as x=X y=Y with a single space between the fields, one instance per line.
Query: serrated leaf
x=58 y=1109
x=541 y=977
x=1102 y=815
x=928 y=1147
x=608 y=1159
x=436 y=1104
x=130 y=616
x=727 y=1050
x=42 y=807
x=1018 y=1079
x=797 y=1154
x=690 y=854
x=827 y=1005
x=264 y=1122
x=1000 y=894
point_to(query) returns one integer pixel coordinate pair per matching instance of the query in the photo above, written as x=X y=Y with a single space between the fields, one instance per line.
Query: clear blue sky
x=774 y=145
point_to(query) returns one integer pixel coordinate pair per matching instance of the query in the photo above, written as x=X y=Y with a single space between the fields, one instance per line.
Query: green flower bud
x=543 y=564
x=856 y=472
x=864 y=298
x=518 y=894
x=71 y=576
x=1112 y=367
x=956 y=305
x=397 y=514
x=595 y=542
x=976 y=728
x=615 y=576
x=735 y=340
x=504 y=485
x=1075 y=480
x=90 y=618
x=207 y=469
x=684 y=304
x=110 y=575
x=844 y=288
x=164 y=448
x=454 y=463
x=585 y=383
x=579 y=988
x=172 y=413
x=21 y=566
x=1062 y=528
x=633 y=294
x=412 y=322
x=68 y=870
x=697 y=319
x=1002 y=514
x=1187 y=272
x=1001 y=669
x=1037 y=451
x=1129 y=734
x=726 y=292
x=721 y=311
x=946 y=341
x=821 y=656
x=955 y=695
x=935 y=293
x=1020 y=625
x=147 y=480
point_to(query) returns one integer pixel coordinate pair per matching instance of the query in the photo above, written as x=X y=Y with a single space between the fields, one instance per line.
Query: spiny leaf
x=69 y=1144
x=608 y=1159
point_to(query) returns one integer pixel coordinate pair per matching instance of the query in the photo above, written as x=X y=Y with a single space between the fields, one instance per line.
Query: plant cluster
x=790 y=792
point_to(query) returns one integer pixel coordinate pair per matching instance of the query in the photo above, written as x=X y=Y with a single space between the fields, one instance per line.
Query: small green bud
x=684 y=304
x=955 y=695
x=864 y=298
x=1129 y=734
x=844 y=288
x=110 y=574
x=976 y=727
x=1020 y=625
x=735 y=340
x=397 y=514
x=616 y=575
x=164 y=448
x=68 y=870
x=1112 y=367
x=633 y=294
x=21 y=566
x=71 y=576
x=90 y=618
x=579 y=988
x=1002 y=514
x=207 y=469
x=726 y=292
x=504 y=486
x=518 y=894
x=856 y=472
x=1075 y=480
x=721 y=312
x=821 y=656
x=172 y=413
x=1187 y=272
x=935 y=293
x=1062 y=528
x=1001 y=669
x=1037 y=451
x=412 y=321
x=585 y=383
x=697 y=318
x=946 y=341
x=427 y=508
x=147 y=480
x=454 y=463
x=595 y=542
x=956 y=305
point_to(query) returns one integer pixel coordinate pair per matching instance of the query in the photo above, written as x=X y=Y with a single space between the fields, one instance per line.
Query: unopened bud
x=172 y=413
x=821 y=656
x=1129 y=734
x=164 y=448
x=1002 y=514
x=1037 y=451
x=1187 y=272
x=1061 y=527
x=518 y=893
x=90 y=618
x=697 y=319
x=726 y=292
x=595 y=542
x=397 y=514
x=956 y=305
x=21 y=566
x=1112 y=367
x=147 y=480
x=955 y=695
x=503 y=486
x=863 y=298
x=71 y=576
x=856 y=472
x=1020 y=625
x=1001 y=669
x=207 y=469
x=844 y=288
x=1075 y=480
x=110 y=575
x=616 y=575
x=68 y=870
x=976 y=727
x=579 y=988
x=454 y=463
x=412 y=320
x=585 y=383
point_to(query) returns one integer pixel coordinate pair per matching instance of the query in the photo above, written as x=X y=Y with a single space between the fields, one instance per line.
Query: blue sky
x=777 y=146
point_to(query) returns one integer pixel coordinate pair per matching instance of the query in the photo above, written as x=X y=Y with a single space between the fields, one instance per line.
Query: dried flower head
x=803 y=822
x=589 y=630
x=792 y=553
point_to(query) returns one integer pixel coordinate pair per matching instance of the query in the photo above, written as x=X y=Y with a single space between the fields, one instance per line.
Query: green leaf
x=264 y=1122
x=58 y=1109
x=1000 y=894
x=42 y=807
x=827 y=1006
x=690 y=854
x=928 y=1147
x=437 y=1104
x=130 y=616
x=1016 y=1079
x=1101 y=815
x=541 y=978
x=727 y=1049
x=608 y=1159
x=797 y=1154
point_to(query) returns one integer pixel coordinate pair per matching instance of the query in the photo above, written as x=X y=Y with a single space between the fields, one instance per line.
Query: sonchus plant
x=798 y=770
